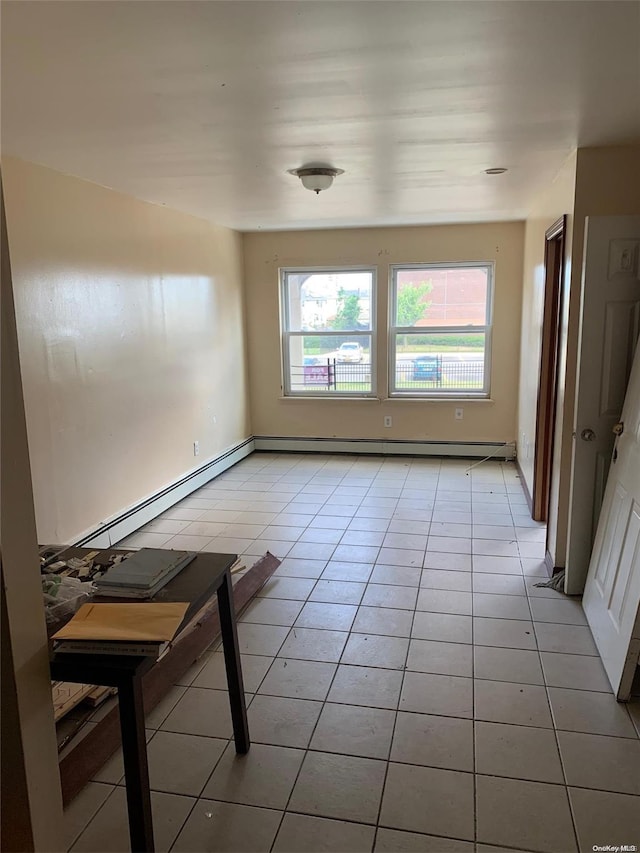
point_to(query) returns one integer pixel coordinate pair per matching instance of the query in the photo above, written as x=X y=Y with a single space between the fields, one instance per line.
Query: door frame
x=554 y=266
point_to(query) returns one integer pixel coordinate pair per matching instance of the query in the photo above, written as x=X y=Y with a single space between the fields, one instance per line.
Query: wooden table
x=205 y=576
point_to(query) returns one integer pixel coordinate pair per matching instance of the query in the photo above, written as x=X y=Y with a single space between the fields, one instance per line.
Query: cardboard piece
x=146 y=621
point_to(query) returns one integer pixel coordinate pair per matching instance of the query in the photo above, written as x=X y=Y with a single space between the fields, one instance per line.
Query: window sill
x=453 y=399
x=398 y=399
x=334 y=398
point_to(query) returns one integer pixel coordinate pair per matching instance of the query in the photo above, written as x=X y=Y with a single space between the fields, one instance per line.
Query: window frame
x=395 y=330
x=286 y=334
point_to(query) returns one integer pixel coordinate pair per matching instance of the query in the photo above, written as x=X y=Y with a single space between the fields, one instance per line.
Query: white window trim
x=442 y=394
x=286 y=334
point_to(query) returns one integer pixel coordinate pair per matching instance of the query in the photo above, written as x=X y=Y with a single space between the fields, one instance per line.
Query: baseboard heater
x=125 y=523
x=398 y=447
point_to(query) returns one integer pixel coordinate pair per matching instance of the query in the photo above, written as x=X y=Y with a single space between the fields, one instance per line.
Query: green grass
x=441 y=343
x=353 y=386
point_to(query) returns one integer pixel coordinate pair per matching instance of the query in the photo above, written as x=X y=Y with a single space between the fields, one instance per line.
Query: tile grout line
x=95 y=814
x=396 y=710
x=473 y=700
x=285 y=810
x=393 y=729
x=557 y=743
x=188 y=815
x=307 y=748
x=350 y=633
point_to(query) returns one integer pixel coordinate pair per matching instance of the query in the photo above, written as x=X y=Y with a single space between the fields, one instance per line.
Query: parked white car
x=350 y=351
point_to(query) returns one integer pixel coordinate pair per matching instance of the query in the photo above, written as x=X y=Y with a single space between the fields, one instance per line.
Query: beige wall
x=130 y=326
x=265 y=253
x=554 y=202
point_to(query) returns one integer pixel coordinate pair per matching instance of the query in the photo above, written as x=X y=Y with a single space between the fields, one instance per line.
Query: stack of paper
x=127 y=628
x=143 y=573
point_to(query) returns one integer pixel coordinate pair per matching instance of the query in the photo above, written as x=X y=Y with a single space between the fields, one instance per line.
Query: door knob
x=588 y=435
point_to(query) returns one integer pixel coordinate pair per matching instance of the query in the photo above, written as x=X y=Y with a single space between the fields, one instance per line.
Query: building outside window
x=440 y=335
x=328 y=329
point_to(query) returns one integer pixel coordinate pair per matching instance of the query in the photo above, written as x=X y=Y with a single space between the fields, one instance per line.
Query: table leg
x=232 y=664
x=134 y=751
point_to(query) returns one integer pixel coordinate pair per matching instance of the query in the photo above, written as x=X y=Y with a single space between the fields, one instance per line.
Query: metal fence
x=468 y=375
x=331 y=375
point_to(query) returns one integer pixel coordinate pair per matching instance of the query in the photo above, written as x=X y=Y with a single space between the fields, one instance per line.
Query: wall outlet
x=388 y=420
x=196 y=448
x=458 y=414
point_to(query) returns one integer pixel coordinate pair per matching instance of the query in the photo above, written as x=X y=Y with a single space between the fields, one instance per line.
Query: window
x=440 y=330
x=328 y=325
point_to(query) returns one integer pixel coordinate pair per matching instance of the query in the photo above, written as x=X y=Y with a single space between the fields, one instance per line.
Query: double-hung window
x=328 y=328
x=440 y=335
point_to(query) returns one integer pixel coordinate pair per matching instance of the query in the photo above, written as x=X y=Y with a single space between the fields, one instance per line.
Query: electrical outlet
x=388 y=420
x=458 y=414
x=196 y=448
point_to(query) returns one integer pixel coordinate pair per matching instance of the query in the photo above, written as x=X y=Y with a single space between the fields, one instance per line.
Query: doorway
x=548 y=383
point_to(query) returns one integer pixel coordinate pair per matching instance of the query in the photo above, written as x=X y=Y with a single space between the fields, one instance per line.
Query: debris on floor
x=556 y=582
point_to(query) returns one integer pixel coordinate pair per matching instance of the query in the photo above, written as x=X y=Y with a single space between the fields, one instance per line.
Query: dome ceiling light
x=316 y=178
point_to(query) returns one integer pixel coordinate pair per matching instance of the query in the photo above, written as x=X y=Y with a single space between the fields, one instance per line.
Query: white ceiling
x=203 y=106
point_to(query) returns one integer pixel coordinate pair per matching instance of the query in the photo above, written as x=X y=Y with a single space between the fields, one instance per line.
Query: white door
x=609 y=331
x=612 y=594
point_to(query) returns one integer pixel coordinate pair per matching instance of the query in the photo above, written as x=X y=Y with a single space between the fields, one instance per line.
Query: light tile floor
x=409 y=687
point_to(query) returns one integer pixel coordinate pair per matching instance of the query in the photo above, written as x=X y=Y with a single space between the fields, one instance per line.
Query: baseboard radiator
x=399 y=447
x=128 y=521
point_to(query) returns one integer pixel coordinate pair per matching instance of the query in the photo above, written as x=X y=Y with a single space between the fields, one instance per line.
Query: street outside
x=461 y=369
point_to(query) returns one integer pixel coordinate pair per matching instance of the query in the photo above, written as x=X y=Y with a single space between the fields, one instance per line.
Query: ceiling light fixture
x=498 y=170
x=316 y=178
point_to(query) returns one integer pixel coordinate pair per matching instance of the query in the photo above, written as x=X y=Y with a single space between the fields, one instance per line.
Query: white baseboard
x=124 y=523
x=473 y=449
